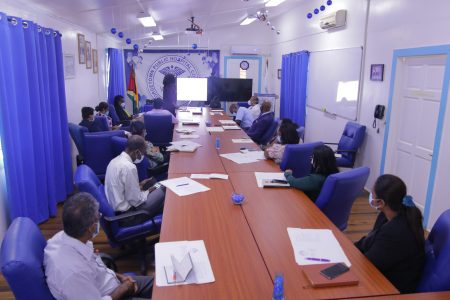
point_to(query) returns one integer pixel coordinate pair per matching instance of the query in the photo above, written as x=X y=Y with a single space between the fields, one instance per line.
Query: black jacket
x=391 y=246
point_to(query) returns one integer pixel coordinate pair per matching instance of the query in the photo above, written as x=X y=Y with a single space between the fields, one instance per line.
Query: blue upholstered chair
x=98 y=150
x=102 y=122
x=113 y=115
x=339 y=192
x=76 y=133
x=298 y=158
x=146 y=108
x=159 y=129
x=436 y=275
x=351 y=139
x=22 y=256
x=243 y=104
x=86 y=181
x=270 y=132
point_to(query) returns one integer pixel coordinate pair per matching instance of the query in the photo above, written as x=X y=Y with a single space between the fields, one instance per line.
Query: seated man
x=254 y=107
x=262 y=123
x=244 y=118
x=72 y=268
x=122 y=187
x=87 y=113
x=159 y=111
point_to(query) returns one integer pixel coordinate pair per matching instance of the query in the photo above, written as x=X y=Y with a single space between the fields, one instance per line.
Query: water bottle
x=217 y=143
x=278 y=288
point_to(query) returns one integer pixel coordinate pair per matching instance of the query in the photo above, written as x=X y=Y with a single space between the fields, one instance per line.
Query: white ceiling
x=170 y=15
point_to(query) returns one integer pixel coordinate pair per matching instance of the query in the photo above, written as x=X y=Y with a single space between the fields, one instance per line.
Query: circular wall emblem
x=174 y=64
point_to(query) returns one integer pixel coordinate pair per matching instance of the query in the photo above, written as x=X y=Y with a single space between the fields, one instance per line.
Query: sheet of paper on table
x=184 y=130
x=245 y=158
x=217 y=113
x=184 y=186
x=214 y=129
x=227 y=122
x=260 y=176
x=316 y=246
x=231 y=127
x=209 y=176
x=189 y=136
x=242 y=141
x=183 y=146
x=201 y=267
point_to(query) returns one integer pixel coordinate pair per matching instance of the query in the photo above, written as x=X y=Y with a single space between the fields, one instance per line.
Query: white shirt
x=122 y=184
x=255 y=110
x=73 y=271
x=245 y=116
x=162 y=112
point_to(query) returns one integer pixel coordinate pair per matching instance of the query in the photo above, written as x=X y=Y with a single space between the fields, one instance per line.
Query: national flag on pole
x=132 y=91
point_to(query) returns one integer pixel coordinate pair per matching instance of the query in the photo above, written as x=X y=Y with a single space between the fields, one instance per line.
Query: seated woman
x=102 y=109
x=153 y=153
x=119 y=105
x=323 y=164
x=287 y=134
x=396 y=243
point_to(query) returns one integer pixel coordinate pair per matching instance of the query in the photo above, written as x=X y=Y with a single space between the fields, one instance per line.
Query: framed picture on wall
x=376 y=72
x=81 y=49
x=69 y=66
x=94 y=61
x=88 y=55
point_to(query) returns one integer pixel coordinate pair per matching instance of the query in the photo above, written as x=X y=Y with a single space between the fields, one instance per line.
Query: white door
x=414 y=120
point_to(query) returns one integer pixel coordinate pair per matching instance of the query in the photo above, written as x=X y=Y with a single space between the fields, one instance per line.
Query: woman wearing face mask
x=102 y=109
x=152 y=152
x=396 y=243
x=323 y=164
x=287 y=134
x=119 y=105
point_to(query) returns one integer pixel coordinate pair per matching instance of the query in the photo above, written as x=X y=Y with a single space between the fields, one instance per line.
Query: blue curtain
x=294 y=69
x=33 y=119
x=116 y=75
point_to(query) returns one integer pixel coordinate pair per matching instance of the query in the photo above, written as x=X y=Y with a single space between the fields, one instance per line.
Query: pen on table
x=182 y=184
x=317 y=259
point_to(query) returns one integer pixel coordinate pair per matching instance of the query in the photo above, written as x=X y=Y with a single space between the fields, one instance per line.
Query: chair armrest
x=127 y=215
x=159 y=168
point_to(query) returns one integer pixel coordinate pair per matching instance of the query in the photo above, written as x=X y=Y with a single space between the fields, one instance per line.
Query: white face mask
x=279 y=139
x=123 y=105
x=249 y=102
x=371 y=200
x=139 y=160
x=97 y=230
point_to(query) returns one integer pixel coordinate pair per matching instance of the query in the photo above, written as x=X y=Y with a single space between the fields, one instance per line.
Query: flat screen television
x=192 y=89
x=229 y=89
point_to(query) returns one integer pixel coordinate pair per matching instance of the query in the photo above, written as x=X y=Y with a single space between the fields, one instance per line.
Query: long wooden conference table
x=247 y=244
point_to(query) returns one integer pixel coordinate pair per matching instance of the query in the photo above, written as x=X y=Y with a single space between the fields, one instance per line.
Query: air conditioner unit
x=334 y=20
x=245 y=50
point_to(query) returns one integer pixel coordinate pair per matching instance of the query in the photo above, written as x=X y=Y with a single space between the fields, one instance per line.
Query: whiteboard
x=333 y=81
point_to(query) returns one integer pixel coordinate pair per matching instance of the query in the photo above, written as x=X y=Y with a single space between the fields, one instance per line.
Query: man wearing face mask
x=254 y=107
x=122 y=187
x=74 y=271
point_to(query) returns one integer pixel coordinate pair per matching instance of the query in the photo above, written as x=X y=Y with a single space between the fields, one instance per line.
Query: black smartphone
x=334 y=271
x=278 y=181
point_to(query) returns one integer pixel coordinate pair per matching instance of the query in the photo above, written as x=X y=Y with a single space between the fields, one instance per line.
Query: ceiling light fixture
x=147 y=21
x=273 y=3
x=248 y=20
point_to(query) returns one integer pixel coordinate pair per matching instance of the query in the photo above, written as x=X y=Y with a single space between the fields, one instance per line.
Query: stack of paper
x=214 y=129
x=183 y=146
x=197 y=268
x=184 y=130
x=316 y=246
x=209 y=176
x=216 y=110
x=245 y=158
x=189 y=136
x=242 y=141
x=231 y=127
x=227 y=122
x=260 y=176
x=216 y=113
x=190 y=122
x=184 y=186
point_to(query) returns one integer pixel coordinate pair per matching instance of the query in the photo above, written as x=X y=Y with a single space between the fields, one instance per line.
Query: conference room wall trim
x=421 y=51
x=244 y=57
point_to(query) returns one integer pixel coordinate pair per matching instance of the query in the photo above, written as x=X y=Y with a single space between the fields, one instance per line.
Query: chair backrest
x=98 y=150
x=22 y=256
x=243 y=104
x=101 y=122
x=270 y=132
x=301 y=133
x=159 y=129
x=113 y=115
x=339 y=192
x=146 y=108
x=436 y=275
x=351 y=140
x=119 y=144
x=298 y=158
x=76 y=133
x=86 y=181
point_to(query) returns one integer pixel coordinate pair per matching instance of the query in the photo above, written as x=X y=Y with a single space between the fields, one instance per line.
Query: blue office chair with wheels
x=22 y=256
x=86 y=181
x=351 y=139
x=339 y=192
x=298 y=158
x=270 y=132
x=436 y=275
x=159 y=129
